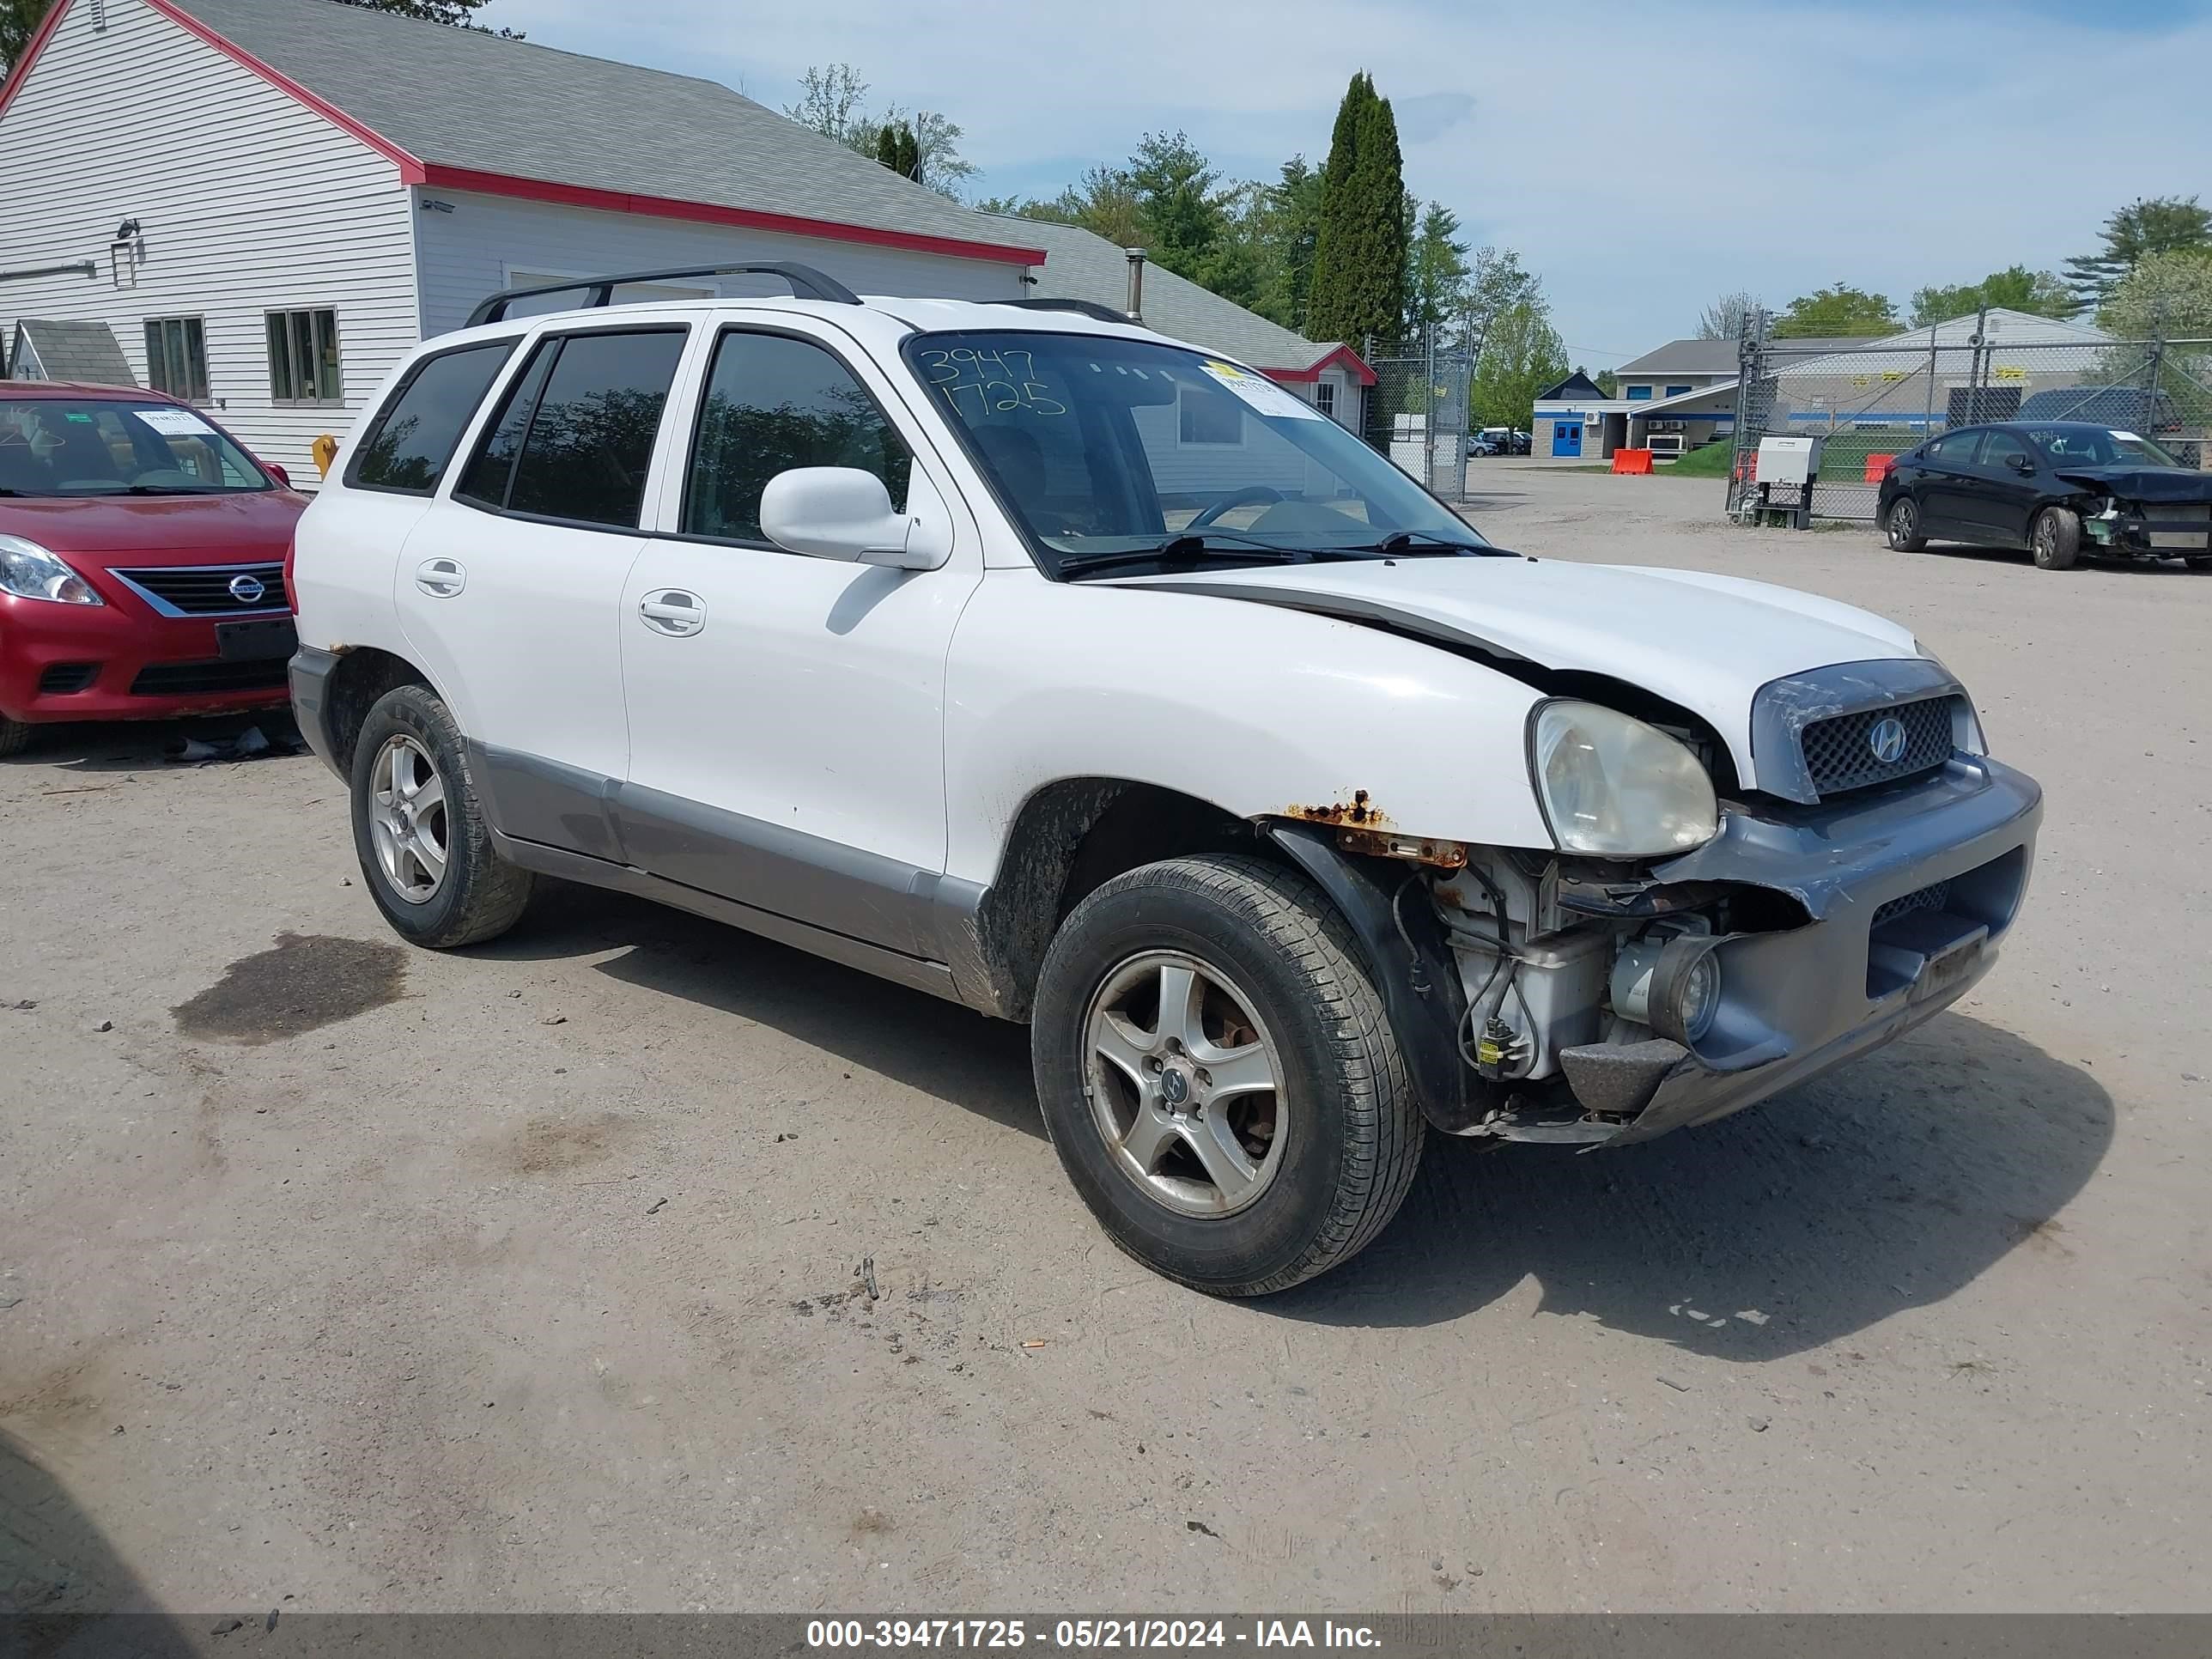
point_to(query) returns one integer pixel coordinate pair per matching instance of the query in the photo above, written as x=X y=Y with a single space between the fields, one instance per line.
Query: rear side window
x=412 y=440
x=1955 y=449
x=574 y=435
x=773 y=403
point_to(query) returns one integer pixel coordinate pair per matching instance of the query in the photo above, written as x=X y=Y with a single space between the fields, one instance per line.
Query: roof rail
x=806 y=283
x=1090 y=308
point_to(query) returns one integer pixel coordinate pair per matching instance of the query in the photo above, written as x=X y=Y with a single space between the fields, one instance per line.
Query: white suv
x=1030 y=658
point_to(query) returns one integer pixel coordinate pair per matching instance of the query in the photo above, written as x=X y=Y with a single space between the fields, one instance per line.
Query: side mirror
x=843 y=513
x=278 y=473
x=2020 y=462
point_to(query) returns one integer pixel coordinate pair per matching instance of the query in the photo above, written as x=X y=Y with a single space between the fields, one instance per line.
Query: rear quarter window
x=414 y=436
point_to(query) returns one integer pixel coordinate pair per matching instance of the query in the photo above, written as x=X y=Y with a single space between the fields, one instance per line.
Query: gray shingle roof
x=1085 y=266
x=1719 y=356
x=83 y=352
x=457 y=98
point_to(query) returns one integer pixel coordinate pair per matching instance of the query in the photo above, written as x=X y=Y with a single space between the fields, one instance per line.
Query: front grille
x=1839 y=754
x=204 y=590
x=61 y=679
x=2189 y=517
x=1928 y=898
x=184 y=679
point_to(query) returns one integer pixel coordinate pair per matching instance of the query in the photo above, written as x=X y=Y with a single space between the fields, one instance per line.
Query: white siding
x=248 y=203
x=479 y=247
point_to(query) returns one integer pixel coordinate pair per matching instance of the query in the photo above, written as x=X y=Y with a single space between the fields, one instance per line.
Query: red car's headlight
x=29 y=571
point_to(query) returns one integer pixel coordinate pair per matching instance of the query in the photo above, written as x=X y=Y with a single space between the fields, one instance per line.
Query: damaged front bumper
x=1907 y=894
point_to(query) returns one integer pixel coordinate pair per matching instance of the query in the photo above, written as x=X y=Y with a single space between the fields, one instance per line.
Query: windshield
x=1107 y=449
x=2083 y=446
x=86 y=446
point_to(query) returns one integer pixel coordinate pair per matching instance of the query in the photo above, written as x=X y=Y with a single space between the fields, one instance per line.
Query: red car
x=142 y=561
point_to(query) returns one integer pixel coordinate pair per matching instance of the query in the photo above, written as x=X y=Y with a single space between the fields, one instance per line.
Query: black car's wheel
x=419 y=831
x=1904 y=526
x=1218 y=1077
x=2055 y=538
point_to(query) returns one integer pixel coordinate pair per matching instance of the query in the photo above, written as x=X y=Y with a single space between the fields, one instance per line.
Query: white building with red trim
x=268 y=201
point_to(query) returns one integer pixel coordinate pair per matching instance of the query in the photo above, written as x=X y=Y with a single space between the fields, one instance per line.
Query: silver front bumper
x=1865 y=968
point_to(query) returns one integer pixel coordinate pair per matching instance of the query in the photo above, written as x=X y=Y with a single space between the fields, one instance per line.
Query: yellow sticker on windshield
x=1262 y=395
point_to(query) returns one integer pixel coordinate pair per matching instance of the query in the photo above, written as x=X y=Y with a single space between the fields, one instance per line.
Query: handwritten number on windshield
x=990 y=381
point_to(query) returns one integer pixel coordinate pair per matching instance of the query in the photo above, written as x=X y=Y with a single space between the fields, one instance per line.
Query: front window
x=81 y=447
x=1112 y=452
x=2086 y=446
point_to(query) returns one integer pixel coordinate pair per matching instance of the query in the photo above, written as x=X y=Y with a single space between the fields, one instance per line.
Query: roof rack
x=1090 y=308
x=806 y=283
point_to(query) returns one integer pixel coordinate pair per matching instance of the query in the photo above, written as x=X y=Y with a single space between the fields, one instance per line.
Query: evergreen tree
x=1359 y=251
x=1438 y=272
x=2162 y=224
x=1296 y=208
x=19 y=21
x=1179 y=209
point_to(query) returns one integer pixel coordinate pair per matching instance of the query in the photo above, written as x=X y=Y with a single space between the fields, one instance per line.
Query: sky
x=1644 y=161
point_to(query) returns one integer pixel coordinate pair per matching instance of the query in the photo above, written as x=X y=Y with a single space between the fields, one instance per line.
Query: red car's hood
x=179 y=529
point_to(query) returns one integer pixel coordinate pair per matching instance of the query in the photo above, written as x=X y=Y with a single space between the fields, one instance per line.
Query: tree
x=897 y=150
x=1436 y=271
x=19 y=21
x=1608 y=382
x=1522 y=355
x=1296 y=221
x=1838 y=311
x=828 y=101
x=1359 y=249
x=1724 y=319
x=1496 y=282
x=2166 y=294
x=455 y=14
x=2016 y=288
x=2159 y=224
x=1180 y=212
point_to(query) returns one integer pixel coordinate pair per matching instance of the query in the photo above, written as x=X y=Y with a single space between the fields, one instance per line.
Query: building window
x=1637 y=394
x=303 y=357
x=1212 y=417
x=176 y=357
x=1676 y=391
x=1325 y=397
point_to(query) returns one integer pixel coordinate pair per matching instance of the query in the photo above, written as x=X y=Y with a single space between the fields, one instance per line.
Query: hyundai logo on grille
x=1885 y=739
x=247 y=590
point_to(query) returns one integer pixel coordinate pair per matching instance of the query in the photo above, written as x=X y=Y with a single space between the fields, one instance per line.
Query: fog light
x=1671 y=983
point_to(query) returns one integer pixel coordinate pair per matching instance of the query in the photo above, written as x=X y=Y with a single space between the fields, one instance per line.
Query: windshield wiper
x=169 y=489
x=1436 y=547
x=1210 y=545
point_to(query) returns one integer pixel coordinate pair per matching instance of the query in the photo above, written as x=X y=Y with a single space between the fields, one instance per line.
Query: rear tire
x=1904 y=526
x=14 y=736
x=2055 y=538
x=1192 y=1163
x=419 y=829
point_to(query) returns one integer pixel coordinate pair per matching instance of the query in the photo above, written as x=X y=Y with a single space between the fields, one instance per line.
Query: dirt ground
x=338 y=1276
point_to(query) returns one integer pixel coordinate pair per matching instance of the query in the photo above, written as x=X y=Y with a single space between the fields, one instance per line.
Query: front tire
x=14 y=737
x=2055 y=538
x=1904 y=526
x=1218 y=1077
x=419 y=830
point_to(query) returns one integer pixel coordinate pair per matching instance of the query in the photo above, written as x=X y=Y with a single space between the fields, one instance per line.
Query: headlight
x=1614 y=787
x=29 y=571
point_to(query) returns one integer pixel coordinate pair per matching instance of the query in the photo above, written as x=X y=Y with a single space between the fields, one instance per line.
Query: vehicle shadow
x=146 y=745
x=1888 y=1185
x=64 y=1590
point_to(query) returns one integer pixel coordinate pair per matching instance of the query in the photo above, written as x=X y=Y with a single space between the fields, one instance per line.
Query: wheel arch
x=360 y=677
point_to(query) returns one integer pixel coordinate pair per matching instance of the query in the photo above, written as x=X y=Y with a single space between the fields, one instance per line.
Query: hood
x=2142 y=484
x=1703 y=642
x=178 y=529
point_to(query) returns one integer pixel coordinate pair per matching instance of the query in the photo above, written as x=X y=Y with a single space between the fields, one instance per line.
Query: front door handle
x=441 y=578
x=672 y=610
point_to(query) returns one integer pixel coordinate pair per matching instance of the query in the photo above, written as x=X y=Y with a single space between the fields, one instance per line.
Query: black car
x=2059 y=489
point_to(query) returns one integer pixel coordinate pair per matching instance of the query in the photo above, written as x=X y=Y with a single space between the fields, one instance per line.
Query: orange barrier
x=1878 y=466
x=1631 y=461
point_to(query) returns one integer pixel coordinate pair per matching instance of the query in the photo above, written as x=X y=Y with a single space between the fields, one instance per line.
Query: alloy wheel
x=1185 y=1083
x=408 y=822
x=1903 y=520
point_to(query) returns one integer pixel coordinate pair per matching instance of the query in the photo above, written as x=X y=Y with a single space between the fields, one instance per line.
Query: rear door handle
x=441 y=578
x=672 y=610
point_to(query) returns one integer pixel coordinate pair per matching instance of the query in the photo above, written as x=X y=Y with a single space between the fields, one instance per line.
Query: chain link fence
x=1871 y=402
x=1416 y=409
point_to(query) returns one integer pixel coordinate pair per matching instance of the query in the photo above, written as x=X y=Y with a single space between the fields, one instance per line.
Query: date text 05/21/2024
x=1088 y=1634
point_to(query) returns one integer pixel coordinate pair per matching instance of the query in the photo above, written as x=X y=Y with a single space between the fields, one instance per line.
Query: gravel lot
x=531 y=1278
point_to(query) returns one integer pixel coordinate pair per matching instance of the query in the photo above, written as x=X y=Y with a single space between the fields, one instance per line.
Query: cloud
x=1642 y=159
